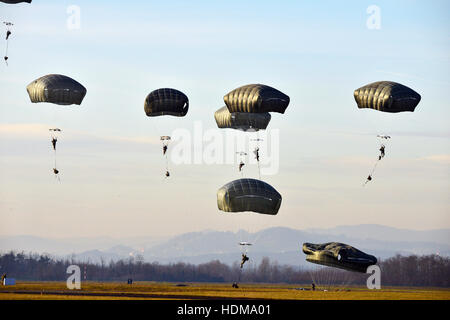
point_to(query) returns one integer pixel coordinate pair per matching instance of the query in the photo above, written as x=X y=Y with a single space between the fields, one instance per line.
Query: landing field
x=206 y=291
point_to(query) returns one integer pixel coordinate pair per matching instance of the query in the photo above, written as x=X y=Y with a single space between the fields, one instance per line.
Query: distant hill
x=279 y=244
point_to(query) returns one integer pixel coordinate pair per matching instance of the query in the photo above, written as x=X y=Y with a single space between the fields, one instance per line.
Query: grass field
x=158 y=290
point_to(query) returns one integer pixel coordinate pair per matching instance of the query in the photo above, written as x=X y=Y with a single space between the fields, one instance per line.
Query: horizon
x=313 y=229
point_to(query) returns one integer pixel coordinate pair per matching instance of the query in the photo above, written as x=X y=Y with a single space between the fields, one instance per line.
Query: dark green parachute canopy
x=387 y=96
x=166 y=101
x=338 y=255
x=256 y=98
x=241 y=120
x=15 y=1
x=56 y=88
x=248 y=195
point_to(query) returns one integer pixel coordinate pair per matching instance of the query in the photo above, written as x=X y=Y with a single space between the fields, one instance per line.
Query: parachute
x=57 y=89
x=166 y=101
x=248 y=195
x=244 y=195
x=256 y=98
x=241 y=120
x=248 y=109
x=338 y=255
x=15 y=1
x=387 y=96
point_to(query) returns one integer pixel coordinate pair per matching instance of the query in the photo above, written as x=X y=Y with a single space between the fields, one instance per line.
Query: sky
x=322 y=148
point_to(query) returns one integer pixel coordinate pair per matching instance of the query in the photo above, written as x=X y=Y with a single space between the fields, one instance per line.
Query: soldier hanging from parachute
x=244 y=195
x=166 y=102
x=56 y=89
x=9 y=24
x=244 y=259
x=247 y=109
x=55 y=132
x=386 y=96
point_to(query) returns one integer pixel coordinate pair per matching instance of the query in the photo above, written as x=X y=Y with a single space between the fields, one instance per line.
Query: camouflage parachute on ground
x=387 y=96
x=248 y=195
x=166 y=101
x=256 y=98
x=338 y=255
x=241 y=120
x=57 y=89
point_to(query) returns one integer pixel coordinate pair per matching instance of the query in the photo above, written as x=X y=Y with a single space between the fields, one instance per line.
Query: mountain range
x=280 y=244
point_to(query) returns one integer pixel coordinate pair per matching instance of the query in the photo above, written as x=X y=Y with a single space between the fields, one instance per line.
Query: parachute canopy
x=256 y=98
x=241 y=120
x=248 y=195
x=166 y=101
x=15 y=1
x=338 y=255
x=56 y=88
x=387 y=96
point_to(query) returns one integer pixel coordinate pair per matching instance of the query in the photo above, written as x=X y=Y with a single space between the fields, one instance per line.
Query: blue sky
x=317 y=52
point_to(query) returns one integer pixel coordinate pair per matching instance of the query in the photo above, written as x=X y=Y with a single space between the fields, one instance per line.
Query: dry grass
x=158 y=290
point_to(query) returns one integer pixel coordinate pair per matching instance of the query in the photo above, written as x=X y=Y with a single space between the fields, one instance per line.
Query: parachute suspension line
x=257 y=155
x=165 y=143
x=259 y=171
x=347 y=280
x=381 y=156
x=165 y=146
x=167 y=163
x=54 y=136
x=8 y=33
x=6 y=53
x=312 y=276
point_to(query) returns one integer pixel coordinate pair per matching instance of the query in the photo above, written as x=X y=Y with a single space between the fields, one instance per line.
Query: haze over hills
x=279 y=244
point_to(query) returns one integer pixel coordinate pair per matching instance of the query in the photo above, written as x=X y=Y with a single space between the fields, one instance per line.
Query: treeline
x=428 y=270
